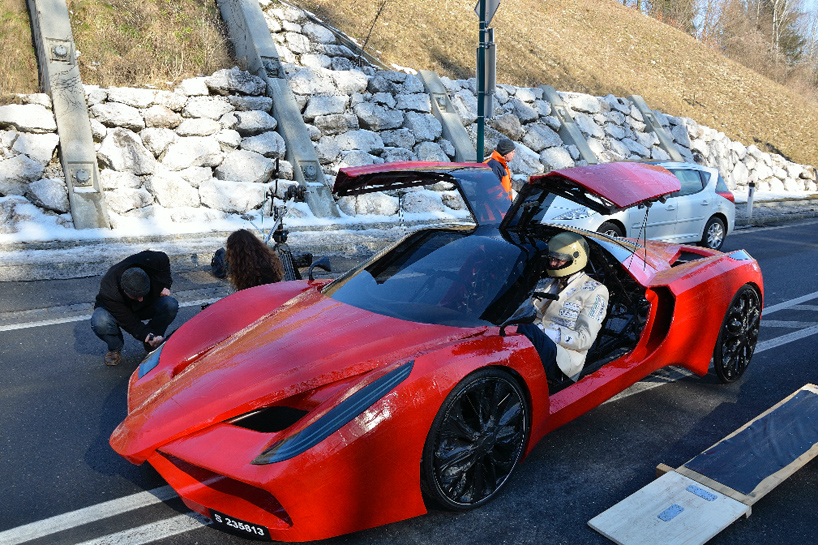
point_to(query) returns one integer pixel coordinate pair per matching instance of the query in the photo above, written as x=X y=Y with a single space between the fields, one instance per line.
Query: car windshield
x=446 y=277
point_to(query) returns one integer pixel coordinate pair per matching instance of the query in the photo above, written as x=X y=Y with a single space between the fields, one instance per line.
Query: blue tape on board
x=669 y=513
x=701 y=492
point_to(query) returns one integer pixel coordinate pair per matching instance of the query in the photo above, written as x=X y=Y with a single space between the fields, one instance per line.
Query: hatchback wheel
x=738 y=335
x=611 y=229
x=476 y=440
x=714 y=233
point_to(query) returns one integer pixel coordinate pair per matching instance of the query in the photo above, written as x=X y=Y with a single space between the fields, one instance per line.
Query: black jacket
x=126 y=311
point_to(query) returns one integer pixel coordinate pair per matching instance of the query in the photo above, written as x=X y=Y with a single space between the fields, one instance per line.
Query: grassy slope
x=18 y=63
x=592 y=46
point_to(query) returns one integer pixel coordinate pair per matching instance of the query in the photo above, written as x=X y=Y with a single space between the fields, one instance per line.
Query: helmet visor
x=559 y=260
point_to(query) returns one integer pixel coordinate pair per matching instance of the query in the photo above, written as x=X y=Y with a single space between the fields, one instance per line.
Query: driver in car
x=567 y=323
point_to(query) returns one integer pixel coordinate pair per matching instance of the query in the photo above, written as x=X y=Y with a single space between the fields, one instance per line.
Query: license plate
x=238 y=526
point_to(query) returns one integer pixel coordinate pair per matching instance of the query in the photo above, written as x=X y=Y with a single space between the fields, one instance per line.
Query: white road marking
x=154 y=531
x=789 y=324
x=789 y=304
x=784 y=339
x=81 y=317
x=66 y=521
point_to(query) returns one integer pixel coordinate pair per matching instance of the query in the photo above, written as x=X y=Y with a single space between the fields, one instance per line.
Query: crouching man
x=567 y=327
x=132 y=291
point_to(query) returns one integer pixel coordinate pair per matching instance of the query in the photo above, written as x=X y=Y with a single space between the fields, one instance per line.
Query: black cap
x=135 y=282
x=505 y=146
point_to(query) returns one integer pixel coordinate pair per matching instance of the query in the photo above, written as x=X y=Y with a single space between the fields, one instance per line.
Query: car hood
x=307 y=342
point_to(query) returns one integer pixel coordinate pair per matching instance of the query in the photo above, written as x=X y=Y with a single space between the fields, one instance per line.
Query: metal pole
x=481 y=82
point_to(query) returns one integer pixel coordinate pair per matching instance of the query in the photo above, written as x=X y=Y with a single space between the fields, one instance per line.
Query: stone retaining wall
x=206 y=150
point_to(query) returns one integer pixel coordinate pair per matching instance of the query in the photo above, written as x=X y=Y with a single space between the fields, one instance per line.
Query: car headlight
x=576 y=214
x=335 y=419
x=150 y=362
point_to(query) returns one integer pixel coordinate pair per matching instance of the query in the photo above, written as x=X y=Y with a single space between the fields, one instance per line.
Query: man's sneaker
x=113 y=357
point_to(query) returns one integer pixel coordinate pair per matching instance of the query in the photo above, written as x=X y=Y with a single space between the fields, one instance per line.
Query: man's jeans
x=160 y=314
x=545 y=348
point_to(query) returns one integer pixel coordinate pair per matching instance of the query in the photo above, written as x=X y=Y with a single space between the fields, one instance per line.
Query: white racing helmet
x=570 y=248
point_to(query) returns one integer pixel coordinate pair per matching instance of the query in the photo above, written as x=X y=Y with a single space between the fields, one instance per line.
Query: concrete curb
x=59 y=260
x=765 y=212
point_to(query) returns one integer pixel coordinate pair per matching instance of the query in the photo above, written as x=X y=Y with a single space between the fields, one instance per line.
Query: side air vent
x=269 y=420
x=687 y=257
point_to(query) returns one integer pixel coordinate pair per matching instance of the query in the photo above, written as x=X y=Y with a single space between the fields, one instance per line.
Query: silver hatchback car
x=702 y=211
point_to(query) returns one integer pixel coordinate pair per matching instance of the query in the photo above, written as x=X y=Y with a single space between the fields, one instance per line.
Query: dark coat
x=126 y=311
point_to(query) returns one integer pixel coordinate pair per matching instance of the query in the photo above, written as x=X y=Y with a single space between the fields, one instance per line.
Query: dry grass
x=592 y=46
x=148 y=42
x=18 y=62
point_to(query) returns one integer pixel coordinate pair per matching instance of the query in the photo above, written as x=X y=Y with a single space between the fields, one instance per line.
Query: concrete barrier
x=444 y=111
x=653 y=124
x=255 y=47
x=569 y=132
x=60 y=78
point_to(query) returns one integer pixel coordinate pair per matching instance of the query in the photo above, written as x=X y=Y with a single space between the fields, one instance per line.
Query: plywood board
x=672 y=510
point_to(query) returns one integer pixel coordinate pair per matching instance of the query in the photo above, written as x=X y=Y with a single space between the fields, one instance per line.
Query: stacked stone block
x=206 y=149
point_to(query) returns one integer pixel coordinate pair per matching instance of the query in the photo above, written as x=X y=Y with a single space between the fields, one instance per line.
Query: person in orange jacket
x=499 y=160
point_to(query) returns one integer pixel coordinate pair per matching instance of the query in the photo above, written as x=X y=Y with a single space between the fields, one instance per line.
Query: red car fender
x=703 y=292
x=445 y=368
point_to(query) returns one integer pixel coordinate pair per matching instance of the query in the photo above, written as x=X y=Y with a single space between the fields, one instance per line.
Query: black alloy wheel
x=476 y=440
x=738 y=335
x=611 y=229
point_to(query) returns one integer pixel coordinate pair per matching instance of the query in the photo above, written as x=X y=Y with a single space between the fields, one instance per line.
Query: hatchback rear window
x=721 y=185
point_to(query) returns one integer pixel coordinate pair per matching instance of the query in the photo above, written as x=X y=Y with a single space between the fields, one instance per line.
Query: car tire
x=738 y=335
x=476 y=440
x=611 y=229
x=714 y=233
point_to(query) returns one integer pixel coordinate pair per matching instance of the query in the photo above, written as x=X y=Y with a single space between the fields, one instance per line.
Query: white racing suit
x=574 y=320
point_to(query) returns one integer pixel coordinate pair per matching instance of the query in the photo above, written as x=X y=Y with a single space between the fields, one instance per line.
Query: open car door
x=605 y=188
x=477 y=184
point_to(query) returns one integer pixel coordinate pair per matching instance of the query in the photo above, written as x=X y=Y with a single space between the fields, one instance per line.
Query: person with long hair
x=250 y=262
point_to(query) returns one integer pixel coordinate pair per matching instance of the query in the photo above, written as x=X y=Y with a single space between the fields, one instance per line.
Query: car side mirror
x=526 y=314
x=321 y=263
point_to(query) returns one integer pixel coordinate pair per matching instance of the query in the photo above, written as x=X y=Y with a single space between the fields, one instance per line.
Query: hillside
x=592 y=46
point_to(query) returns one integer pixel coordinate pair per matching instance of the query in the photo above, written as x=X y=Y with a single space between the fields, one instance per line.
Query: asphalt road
x=61 y=483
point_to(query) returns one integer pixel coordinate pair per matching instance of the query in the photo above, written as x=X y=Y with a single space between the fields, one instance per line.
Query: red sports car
x=304 y=410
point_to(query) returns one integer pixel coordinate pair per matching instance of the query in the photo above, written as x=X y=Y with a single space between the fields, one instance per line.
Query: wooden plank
x=672 y=510
x=715 y=485
x=661 y=469
x=771 y=481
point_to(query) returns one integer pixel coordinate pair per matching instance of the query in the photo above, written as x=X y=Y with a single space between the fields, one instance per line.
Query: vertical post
x=60 y=78
x=481 y=83
x=750 y=200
